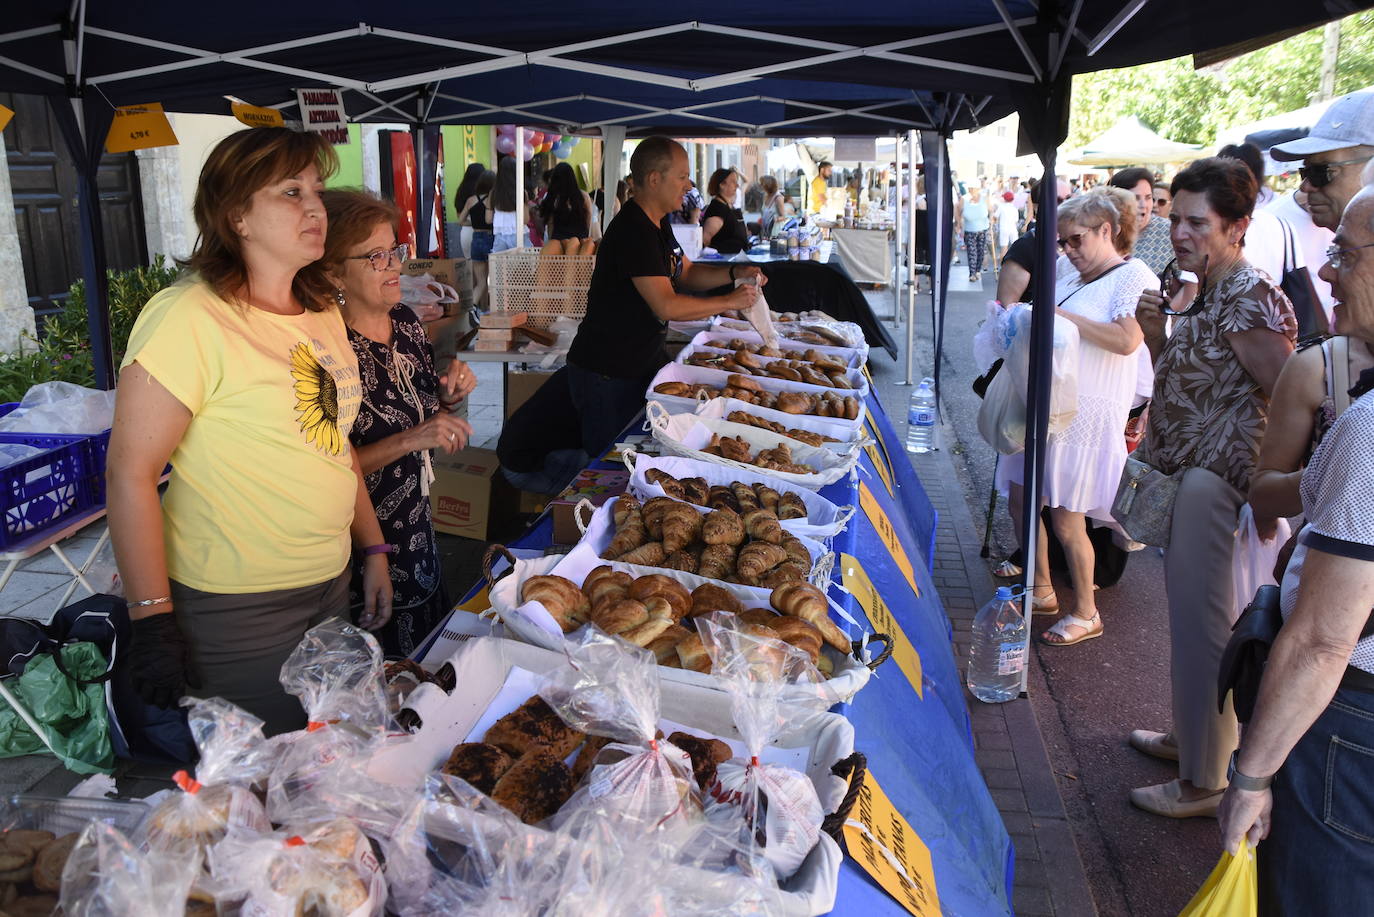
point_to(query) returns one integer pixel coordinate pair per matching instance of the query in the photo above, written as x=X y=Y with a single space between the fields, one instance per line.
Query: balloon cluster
x=534 y=142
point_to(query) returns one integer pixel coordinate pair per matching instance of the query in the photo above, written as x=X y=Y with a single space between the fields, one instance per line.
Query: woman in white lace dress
x=1096 y=288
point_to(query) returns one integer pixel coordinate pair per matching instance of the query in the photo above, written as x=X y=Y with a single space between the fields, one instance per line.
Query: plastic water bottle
x=920 y=431
x=998 y=653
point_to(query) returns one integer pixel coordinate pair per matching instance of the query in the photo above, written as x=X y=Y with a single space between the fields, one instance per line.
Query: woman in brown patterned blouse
x=1213 y=378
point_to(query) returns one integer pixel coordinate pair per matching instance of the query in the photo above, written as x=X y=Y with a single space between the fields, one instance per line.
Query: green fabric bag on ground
x=74 y=716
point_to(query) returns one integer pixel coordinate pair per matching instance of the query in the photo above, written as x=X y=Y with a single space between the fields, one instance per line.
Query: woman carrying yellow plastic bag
x=1231 y=889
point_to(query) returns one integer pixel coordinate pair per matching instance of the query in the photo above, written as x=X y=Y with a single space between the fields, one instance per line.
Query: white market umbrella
x=1130 y=143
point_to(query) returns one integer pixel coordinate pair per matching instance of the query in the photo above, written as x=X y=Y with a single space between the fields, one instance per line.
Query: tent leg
x=898 y=273
x=612 y=143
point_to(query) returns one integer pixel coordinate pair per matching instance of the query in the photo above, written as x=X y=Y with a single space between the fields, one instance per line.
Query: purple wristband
x=378 y=549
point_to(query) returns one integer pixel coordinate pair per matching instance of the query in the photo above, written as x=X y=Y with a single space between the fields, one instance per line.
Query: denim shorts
x=503 y=241
x=481 y=245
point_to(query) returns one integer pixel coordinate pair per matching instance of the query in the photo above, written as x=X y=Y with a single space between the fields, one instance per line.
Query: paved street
x=1086 y=698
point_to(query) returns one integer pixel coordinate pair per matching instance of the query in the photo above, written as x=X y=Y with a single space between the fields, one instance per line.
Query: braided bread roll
x=619 y=615
x=604 y=584
x=656 y=584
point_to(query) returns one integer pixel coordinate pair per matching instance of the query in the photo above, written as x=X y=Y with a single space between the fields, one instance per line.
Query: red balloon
x=535 y=138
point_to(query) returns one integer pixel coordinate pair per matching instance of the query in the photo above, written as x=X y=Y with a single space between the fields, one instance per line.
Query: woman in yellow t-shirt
x=242 y=376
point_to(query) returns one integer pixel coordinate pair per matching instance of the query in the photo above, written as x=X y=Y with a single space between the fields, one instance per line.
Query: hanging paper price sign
x=880 y=840
x=139 y=127
x=256 y=116
x=5 y=116
x=888 y=534
x=882 y=619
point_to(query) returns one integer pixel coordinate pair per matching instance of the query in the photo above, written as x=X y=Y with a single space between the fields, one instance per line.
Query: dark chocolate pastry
x=479 y=764
x=535 y=787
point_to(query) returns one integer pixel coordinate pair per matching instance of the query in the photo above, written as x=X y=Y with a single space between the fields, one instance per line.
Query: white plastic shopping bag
x=1253 y=566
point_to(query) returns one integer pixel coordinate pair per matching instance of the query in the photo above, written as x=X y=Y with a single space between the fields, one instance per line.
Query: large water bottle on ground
x=920 y=431
x=998 y=653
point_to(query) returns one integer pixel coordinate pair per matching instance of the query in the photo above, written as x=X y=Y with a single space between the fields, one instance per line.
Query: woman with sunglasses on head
x=242 y=377
x=1097 y=288
x=405 y=409
x=1214 y=375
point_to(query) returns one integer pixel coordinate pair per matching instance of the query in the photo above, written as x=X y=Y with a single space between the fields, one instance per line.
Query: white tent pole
x=612 y=145
x=911 y=259
x=519 y=184
x=897 y=235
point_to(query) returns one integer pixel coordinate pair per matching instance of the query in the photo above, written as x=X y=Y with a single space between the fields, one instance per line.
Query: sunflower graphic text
x=317 y=400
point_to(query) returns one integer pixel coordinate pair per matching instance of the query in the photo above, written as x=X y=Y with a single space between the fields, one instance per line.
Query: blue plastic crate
x=39 y=492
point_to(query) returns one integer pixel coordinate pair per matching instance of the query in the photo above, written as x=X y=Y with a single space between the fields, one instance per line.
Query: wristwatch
x=1244 y=781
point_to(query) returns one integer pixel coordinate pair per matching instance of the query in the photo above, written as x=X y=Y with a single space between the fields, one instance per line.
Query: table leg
x=79 y=574
x=9 y=571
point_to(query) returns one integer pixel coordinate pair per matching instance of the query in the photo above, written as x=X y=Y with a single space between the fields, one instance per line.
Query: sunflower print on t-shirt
x=317 y=400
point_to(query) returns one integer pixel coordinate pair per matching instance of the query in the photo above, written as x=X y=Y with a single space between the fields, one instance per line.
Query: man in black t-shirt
x=634 y=294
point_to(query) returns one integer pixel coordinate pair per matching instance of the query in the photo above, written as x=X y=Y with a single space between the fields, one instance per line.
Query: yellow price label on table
x=479 y=602
x=888 y=534
x=889 y=850
x=139 y=127
x=878 y=447
x=856 y=580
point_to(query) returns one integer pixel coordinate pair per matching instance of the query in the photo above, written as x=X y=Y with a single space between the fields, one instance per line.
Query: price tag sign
x=880 y=840
x=884 y=465
x=256 y=116
x=888 y=534
x=883 y=620
x=479 y=602
x=139 y=127
x=5 y=116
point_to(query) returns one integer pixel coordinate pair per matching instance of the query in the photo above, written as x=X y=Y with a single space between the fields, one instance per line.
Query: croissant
x=671 y=485
x=561 y=598
x=722 y=497
x=630 y=531
x=722 y=526
x=717 y=561
x=696 y=490
x=664 y=646
x=649 y=554
x=763 y=525
x=796 y=551
x=656 y=584
x=681 y=526
x=745 y=497
x=790 y=506
x=786 y=572
x=685 y=560
x=799 y=633
x=805 y=601
x=768 y=497
x=653 y=515
x=757 y=558
x=709 y=597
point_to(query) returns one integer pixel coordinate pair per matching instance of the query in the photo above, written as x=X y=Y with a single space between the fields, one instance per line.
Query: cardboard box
x=504 y=319
x=591 y=484
x=520 y=387
x=504 y=335
x=470 y=497
x=456 y=272
x=493 y=346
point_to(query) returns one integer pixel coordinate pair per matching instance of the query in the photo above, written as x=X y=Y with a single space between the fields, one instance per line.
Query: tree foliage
x=1192 y=106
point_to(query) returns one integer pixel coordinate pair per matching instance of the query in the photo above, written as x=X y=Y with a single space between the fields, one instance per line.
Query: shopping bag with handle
x=1231 y=889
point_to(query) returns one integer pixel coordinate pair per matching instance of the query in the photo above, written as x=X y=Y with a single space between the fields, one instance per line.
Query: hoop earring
x=339 y=297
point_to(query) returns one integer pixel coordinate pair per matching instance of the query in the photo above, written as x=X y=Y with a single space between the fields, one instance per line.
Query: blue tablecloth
x=919 y=747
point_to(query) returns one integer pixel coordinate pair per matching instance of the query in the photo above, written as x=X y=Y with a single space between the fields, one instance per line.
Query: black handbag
x=1298 y=287
x=1243 y=660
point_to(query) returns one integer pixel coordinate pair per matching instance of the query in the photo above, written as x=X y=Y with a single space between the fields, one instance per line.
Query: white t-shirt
x=1312 y=242
x=1264 y=245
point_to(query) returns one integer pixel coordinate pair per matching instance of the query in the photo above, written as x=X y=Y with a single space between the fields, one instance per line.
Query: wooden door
x=43 y=178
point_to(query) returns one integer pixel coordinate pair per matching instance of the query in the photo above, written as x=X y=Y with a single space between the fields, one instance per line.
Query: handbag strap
x=1290 y=258
x=1340 y=374
x=1089 y=283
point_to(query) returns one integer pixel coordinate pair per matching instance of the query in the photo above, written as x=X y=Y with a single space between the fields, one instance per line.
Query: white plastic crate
x=542 y=287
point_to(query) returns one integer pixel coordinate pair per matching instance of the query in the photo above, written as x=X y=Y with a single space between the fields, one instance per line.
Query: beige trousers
x=1197 y=571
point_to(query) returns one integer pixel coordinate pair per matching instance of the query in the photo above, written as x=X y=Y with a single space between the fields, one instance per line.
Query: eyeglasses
x=1324 y=173
x=1335 y=256
x=1162 y=202
x=1073 y=241
x=381 y=260
x=1170 y=276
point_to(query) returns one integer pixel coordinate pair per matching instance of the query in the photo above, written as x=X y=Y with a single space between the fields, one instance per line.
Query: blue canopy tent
x=807 y=68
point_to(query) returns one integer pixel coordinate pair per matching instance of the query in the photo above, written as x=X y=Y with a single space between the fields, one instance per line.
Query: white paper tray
x=718 y=378
x=482 y=666
x=687 y=435
x=858 y=382
x=850 y=356
x=824 y=519
x=529 y=622
x=852 y=332
x=851 y=435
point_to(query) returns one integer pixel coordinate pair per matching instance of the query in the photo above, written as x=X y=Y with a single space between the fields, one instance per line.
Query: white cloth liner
x=719 y=379
x=529 y=622
x=858 y=383
x=850 y=356
x=688 y=435
x=483 y=664
x=680 y=372
x=824 y=519
x=849 y=435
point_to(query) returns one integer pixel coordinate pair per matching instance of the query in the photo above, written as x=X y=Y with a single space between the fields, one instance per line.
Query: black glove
x=160 y=660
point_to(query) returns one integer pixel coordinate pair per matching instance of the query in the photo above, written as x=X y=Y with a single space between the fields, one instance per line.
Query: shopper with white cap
x=1332 y=156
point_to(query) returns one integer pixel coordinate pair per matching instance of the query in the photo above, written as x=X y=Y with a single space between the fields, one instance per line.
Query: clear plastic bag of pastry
x=107 y=876
x=233 y=756
x=337 y=672
x=448 y=849
x=610 y=690
x=768 y=812
x=327 y=870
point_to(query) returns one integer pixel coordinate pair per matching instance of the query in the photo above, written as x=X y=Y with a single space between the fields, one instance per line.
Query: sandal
x=1060 y=630
x=1007 y=570
x=1045 y=605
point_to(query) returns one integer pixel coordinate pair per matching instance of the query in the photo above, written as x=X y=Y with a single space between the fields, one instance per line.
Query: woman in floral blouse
x=1213 y=379
x=405 y=409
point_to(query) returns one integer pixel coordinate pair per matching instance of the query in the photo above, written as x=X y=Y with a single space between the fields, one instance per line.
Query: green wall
x=350 y=174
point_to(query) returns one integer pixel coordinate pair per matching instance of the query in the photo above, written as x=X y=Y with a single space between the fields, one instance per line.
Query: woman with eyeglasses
x=1214 y=375
x=1096 y=289
x=405 y=410
x=241 y=375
